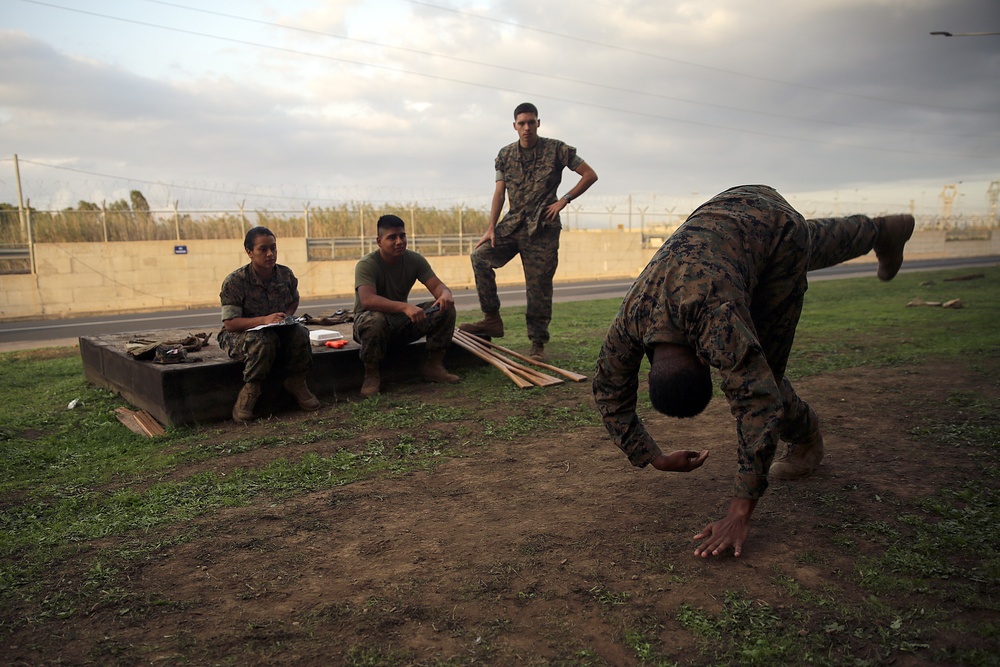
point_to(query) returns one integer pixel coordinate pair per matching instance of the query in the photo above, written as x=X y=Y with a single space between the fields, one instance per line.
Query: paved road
x=27 y=334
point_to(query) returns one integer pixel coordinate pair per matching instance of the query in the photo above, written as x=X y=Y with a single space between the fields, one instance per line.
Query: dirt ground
x=520 y=552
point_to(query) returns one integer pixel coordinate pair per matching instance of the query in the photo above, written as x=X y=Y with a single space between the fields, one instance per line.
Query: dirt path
x=540 y=551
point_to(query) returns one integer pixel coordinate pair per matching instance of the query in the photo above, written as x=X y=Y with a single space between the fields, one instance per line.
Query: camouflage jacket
x=697 y=291
x=244 y=294
x=532 y=183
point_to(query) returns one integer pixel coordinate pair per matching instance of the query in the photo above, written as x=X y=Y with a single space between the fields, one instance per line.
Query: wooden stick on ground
x=575 y=377
x=493 y=361
x=536 y=377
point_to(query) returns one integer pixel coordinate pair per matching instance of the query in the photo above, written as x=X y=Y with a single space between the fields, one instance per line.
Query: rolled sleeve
x=231 y=312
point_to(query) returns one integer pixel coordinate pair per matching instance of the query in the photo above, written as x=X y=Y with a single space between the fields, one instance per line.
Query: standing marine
x=528 y=173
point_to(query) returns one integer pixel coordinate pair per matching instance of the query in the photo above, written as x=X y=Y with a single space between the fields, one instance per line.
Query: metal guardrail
x=15 y=258
x=14 y=251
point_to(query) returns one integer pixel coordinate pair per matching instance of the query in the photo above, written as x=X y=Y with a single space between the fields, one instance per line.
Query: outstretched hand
x=683 y=460
x=730 y=532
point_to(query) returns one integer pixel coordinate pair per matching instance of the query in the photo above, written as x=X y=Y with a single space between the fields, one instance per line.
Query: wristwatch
x=567 y=198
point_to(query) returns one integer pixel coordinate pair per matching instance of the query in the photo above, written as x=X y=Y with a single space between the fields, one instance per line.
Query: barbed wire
x=47 y=194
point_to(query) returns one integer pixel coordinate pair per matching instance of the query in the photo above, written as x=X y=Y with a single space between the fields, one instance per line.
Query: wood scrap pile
x=523 y=376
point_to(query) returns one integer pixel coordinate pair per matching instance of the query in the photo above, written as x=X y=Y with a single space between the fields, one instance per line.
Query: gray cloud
x=668 y=98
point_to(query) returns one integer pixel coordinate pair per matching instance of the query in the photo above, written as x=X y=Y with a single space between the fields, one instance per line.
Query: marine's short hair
x=525 y=107
x=680 y=387
x=388 y=221
x=251 y=237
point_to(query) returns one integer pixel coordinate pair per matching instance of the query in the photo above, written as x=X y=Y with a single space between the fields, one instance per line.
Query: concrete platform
x=204 y=390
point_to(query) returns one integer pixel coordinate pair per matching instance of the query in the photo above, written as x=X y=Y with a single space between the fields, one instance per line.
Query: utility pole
x=576 y=214
x=642 y=225
x=992 y=194
x=948 y=194
x=20 y=200
x=413 y=227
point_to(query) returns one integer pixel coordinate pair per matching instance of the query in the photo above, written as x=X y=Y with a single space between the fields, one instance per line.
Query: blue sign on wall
x=180 y=250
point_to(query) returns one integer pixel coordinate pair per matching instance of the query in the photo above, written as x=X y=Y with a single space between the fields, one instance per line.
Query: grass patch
x=78 y=488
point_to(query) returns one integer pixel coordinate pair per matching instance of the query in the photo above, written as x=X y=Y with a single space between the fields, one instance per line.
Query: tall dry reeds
x=120 y=222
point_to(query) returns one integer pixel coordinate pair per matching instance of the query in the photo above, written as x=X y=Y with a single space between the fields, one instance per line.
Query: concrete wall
x=77 y=279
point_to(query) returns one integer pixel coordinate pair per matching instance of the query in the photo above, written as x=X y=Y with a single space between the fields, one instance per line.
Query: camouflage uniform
x=729 y=283
x=244 y=294
x=531 y=179
x=375 y=331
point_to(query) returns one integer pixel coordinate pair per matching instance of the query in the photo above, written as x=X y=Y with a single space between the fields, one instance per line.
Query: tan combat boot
x=373 y=381
x=491 y=325
x=297 y=387
x=245 y=402
x=537 y=352
x=893 y=233
x=801 y=459
x=434 y=370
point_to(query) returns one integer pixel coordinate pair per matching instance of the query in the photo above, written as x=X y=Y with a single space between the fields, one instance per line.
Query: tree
x=139 y=203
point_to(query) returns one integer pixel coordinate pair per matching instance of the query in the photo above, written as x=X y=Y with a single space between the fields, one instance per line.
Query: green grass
x=864 y=322
x=73 y=476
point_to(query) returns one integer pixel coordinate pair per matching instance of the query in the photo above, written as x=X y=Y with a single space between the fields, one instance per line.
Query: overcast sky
x=280 y=103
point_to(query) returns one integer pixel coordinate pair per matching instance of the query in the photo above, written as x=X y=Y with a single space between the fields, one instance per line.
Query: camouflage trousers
x=776 y=304
x=539 y=258
x=377 y=331
x=285 y=347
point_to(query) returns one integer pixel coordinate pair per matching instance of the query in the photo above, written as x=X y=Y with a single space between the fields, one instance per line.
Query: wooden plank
x=150 y=424
x=576 y=377
x=494 y=361
x=139 y=422
x=535 y=377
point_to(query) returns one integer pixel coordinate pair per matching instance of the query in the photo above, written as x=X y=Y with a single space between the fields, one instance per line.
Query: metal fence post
x=31 y=242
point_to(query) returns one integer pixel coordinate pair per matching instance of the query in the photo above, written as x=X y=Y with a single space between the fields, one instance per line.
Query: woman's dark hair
x=252 y=235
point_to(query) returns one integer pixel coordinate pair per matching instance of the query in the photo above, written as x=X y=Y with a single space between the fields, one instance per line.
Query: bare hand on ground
x=683 y=460
x=730 y=532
